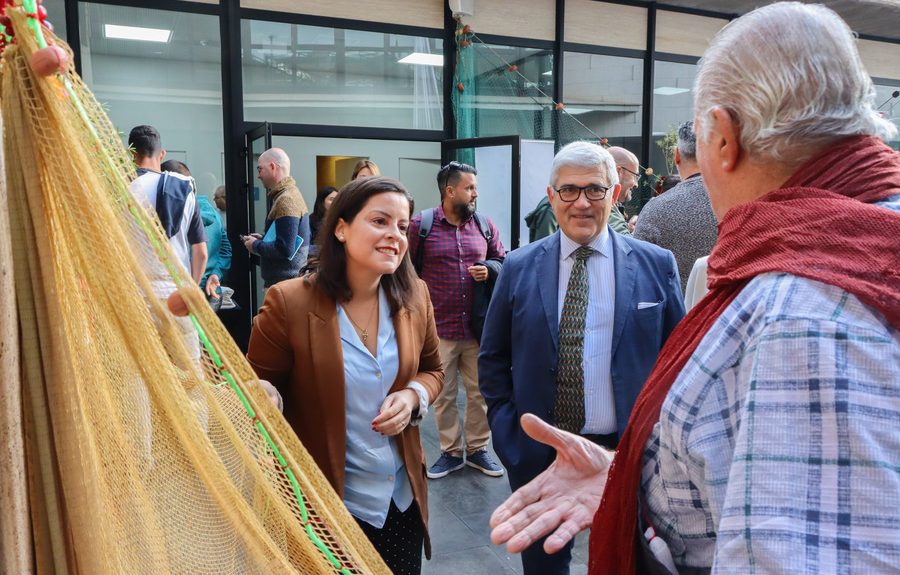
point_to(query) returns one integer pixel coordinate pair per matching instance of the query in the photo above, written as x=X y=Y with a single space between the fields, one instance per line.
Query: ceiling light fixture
x=137 y=33
x=422 y=59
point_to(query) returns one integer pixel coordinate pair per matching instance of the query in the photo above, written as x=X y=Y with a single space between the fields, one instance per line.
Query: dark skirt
x=400 y=541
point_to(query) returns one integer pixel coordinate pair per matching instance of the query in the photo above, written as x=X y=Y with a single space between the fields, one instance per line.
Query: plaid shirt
x=449 y=251
x=778 y=446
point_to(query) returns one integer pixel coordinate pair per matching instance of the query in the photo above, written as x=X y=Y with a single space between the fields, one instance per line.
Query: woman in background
x=365 y=169
x=324 y=199
x=353 y=350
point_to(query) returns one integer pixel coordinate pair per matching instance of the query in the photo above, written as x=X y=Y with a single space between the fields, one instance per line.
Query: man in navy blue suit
x=574 y=326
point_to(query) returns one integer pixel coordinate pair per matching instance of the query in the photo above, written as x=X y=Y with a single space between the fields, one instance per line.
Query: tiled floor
x=460 y=506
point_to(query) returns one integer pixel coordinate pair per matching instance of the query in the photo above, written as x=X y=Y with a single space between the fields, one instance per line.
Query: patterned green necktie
x=569 y=408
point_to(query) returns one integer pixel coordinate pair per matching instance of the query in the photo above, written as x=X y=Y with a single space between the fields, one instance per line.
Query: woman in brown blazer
x=354 y=352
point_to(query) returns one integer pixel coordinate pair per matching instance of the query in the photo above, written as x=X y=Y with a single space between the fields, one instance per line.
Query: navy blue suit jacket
x=519 y=347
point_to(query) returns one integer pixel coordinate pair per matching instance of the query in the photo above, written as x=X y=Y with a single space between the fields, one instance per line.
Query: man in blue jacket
x=590 y=310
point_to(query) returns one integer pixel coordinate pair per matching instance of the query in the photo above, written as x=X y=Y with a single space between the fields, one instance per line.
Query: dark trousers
x=400 y=540
x=534 y=560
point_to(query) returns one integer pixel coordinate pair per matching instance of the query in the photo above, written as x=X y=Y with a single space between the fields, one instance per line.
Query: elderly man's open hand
x=561 y=500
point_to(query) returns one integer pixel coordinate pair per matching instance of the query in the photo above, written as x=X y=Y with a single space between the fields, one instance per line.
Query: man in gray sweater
x=681 y=220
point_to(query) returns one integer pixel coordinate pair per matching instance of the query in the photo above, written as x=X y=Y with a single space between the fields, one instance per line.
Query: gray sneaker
x=483 y=462
x=445 y=465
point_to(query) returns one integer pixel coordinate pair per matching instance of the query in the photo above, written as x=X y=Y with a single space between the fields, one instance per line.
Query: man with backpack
x=455 y=250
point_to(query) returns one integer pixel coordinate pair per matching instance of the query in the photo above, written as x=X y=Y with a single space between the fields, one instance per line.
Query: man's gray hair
x=687 y=141
x=584 y=155
x=791 y=76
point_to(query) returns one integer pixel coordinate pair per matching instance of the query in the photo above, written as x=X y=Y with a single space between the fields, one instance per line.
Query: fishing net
x=143 y=454
x=507 y=90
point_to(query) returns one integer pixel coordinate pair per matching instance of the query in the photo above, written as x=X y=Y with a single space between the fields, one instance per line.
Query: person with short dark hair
x=682 y=220
x=666 y=183
x=354 y=352
x=172 y=196
x=145 y=142
x=454 y=257
x=217 y=245
x=324 y=199
x=179 y=167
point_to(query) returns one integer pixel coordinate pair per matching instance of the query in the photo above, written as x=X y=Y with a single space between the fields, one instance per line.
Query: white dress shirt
x=599 y=402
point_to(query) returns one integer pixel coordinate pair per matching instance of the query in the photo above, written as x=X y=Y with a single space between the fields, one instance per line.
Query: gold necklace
x=363 y=333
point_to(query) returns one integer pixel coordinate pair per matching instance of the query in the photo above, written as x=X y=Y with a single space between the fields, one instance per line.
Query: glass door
x=257 y=140
x=497 y=160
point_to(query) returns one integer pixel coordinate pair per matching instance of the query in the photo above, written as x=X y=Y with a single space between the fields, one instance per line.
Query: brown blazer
x=296 y=345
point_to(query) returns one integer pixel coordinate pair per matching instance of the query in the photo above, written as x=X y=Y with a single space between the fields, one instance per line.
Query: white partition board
x=537 y=159
x=494 y=165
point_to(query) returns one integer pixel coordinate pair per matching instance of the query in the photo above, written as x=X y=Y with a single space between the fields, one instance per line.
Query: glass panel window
x=673 y=103
x=889 y=106
x=603 y=96
x=56 y=15
x=604 y=99
x=173 y=83
x=315 y=75
x=506 y=92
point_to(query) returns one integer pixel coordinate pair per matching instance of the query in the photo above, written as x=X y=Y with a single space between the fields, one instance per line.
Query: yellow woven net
x=140 y=458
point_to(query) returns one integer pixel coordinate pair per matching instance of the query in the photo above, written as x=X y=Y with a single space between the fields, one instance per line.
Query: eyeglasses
x=635 y=174
x=453 y=166
x=592 y=192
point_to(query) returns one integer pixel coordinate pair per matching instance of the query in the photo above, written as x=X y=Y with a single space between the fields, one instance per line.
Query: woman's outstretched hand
x=562 y=500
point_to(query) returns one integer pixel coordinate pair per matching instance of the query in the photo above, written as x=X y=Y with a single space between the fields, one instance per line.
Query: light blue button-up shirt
x=599 y=401
x=374 y=470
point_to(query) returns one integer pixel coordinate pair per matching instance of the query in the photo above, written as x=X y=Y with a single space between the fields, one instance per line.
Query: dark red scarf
x=819 y=225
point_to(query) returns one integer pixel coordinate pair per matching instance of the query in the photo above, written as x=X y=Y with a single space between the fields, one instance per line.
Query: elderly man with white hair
x=765 y=440
x=574 y=326
x=287 y=220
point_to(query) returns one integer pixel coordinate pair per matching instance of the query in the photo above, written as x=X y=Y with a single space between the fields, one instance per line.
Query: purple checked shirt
x=449 y=251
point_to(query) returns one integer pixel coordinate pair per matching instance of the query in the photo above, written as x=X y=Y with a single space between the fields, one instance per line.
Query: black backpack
x=425 y=228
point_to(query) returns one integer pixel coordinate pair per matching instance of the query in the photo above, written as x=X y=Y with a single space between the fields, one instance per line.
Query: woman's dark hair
x=318 y=214
x=666 y=183
x=399 y=286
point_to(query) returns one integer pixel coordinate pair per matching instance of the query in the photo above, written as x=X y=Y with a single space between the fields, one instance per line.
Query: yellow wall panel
x=534 y=19
x=425 y=13
x=605 y=24
x=678 y=33
x=881 y=59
